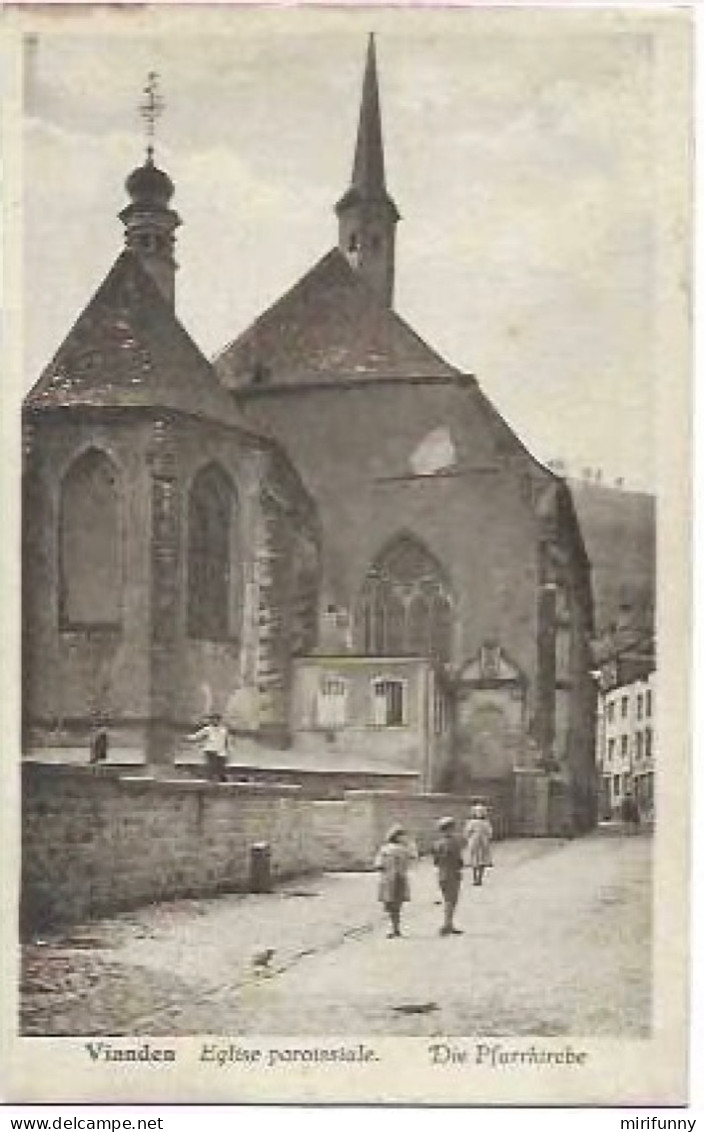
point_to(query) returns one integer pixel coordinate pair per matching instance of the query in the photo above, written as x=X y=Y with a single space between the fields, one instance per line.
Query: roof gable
x=329 y=325
x=128 y=349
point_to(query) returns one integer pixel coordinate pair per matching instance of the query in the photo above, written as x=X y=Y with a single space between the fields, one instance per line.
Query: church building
x=442 y=536
x=170 y=550
x=329 y=533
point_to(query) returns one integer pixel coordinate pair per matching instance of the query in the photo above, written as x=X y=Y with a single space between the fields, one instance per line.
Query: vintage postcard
x=346 y=479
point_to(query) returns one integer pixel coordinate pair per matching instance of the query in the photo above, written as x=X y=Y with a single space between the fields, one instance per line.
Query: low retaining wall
x=374 y=812
x=95 y=843
x=314 y=783
x=542 y=806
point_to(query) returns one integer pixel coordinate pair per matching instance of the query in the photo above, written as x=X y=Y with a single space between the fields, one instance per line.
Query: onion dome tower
x=149 y=222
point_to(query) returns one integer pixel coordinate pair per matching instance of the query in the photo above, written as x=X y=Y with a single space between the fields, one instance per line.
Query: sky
x=525 y=152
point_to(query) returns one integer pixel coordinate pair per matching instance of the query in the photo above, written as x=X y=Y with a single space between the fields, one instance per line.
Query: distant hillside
x=619 y=531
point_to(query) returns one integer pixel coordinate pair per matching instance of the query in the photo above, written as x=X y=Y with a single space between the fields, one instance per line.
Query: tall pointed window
x=211 y=523
x=90 y=561
x=405 y=607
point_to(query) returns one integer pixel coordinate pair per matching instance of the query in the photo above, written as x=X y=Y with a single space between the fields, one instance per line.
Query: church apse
x=150 y=592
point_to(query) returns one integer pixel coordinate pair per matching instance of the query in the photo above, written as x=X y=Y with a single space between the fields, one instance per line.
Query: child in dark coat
x=447 y=853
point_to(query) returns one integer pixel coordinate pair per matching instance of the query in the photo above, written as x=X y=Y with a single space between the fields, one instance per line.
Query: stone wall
x=314 y=782
x=95 y=842
x=358 y=471
x=375 y=812
x=542 y=806
x=146 y=671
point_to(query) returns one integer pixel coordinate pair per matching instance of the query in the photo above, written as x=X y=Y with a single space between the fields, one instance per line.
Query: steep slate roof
x=329 y=325
x=128 y=349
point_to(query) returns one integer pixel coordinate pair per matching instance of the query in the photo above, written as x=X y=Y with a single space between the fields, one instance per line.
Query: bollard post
x=260 y=878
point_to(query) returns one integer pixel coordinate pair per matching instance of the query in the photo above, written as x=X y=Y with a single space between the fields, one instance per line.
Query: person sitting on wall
x=214 y=739
x=479 y=833
x=447 y=854
x=393 y=860
x=98 y=752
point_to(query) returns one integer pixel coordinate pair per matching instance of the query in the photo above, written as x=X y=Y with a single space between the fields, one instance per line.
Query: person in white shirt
x=214 y=744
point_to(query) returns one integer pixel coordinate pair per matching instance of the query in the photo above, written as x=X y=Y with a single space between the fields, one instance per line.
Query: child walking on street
x=479 y=834
x=447 y=853
x=393 y=861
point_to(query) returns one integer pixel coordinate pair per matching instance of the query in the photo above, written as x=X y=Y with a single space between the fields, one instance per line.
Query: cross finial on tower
x=151 y=108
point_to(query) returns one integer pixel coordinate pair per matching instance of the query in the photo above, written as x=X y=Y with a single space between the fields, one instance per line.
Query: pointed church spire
x=369 y=164
x=367 y=214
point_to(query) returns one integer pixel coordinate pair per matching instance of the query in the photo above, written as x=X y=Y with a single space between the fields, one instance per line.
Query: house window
x=639 y=706
x=616 y=785
x=211 y=505
x=611 y=750
x=648 y=742
x=648 y=703
x=388 y=703
x=624 y=707
x=611 y=712
x=331 y=702
x=90 y=568
x=638 y=745
x=624 y=746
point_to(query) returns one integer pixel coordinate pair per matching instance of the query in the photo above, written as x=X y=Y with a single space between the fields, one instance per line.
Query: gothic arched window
x=405 y=606
x=211 y=518
x=372 y=616
x=395 y=643
x=418 y=625
x=441 y=626
x=90 y=560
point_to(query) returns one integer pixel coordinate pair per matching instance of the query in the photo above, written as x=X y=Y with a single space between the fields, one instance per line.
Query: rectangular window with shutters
x=331 y=703
x=389 y=707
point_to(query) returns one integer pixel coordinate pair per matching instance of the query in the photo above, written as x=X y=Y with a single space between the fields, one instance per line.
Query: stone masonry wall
x=95 y=842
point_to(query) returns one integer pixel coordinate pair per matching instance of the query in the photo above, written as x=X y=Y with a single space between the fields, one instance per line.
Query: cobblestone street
x=556 y=942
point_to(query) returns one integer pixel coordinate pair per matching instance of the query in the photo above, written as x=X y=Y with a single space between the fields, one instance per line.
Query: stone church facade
x=331 y=529
x=171 y=553
x=441 y=535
